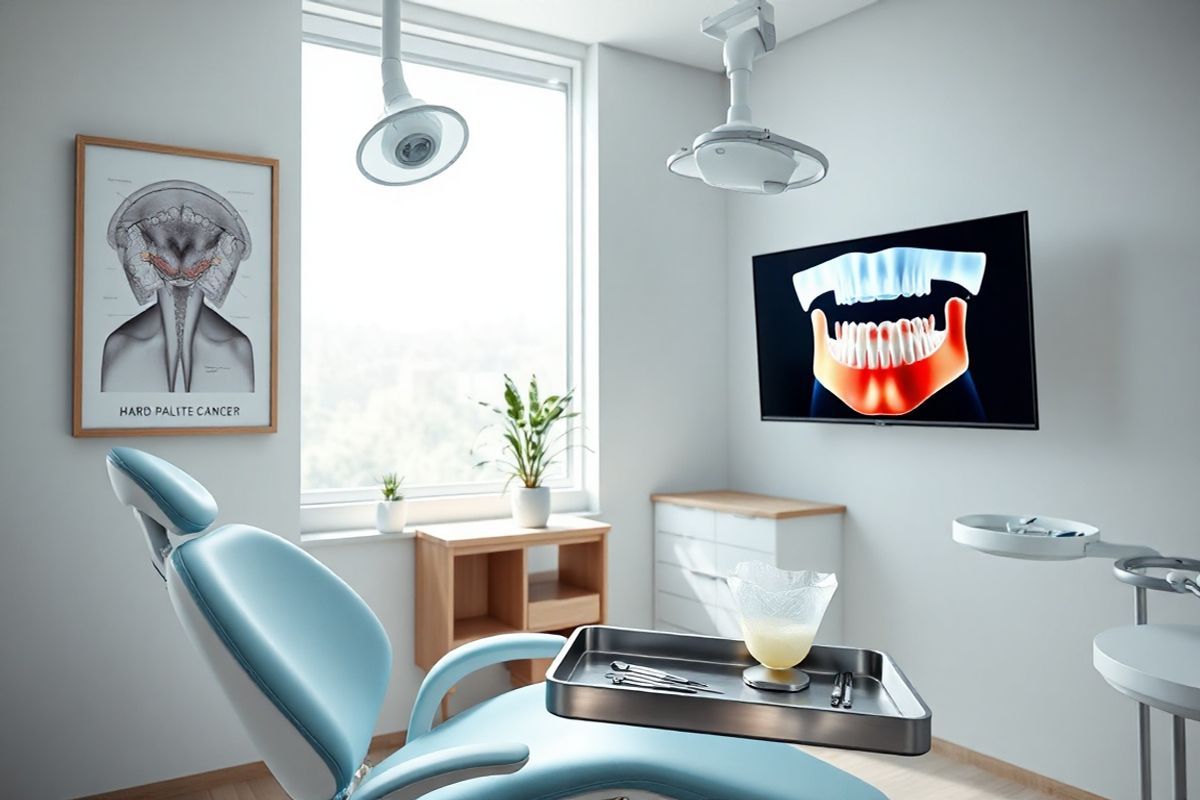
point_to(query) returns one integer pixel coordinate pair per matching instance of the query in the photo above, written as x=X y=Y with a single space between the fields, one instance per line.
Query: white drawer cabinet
x=690 y=584
x=701 y=536
x=683 y=551
x=754 y=533
x=697 y=617
x=695 y=523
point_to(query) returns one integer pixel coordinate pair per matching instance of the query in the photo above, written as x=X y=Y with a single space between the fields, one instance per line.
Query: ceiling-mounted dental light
x=740 y=155
x=412 y=141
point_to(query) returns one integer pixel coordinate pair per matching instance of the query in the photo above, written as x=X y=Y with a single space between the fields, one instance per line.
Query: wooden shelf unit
x=473 y=580
x=555 y=604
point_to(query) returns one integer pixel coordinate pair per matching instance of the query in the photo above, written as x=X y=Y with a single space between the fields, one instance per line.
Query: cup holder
x=1127 y=571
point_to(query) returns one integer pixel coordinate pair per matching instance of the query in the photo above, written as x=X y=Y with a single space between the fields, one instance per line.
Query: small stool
x=1156 y=665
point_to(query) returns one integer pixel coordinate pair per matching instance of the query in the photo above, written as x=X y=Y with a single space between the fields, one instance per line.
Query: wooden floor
x=931 y=777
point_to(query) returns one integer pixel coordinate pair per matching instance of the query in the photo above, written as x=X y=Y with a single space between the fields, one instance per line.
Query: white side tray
x=1030 y=537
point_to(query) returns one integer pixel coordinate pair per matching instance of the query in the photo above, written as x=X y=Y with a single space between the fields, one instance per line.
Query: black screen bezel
x=850 y=243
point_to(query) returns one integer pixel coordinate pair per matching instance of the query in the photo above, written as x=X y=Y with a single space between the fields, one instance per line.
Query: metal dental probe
x=662 y=682
x=650 y=672
x=644 y=683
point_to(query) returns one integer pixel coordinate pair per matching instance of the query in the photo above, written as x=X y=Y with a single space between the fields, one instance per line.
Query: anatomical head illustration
x=180 y=245
x=891 y=366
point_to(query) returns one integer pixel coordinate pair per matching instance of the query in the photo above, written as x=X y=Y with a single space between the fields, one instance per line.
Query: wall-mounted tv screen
x=932 y=326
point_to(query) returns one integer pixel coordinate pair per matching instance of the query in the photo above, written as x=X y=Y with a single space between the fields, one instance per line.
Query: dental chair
x=305 y=664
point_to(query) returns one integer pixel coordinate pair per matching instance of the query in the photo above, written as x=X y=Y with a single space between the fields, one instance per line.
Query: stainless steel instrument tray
x=887 y=716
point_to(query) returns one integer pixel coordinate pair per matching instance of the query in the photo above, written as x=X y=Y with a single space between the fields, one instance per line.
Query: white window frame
x=463 y=43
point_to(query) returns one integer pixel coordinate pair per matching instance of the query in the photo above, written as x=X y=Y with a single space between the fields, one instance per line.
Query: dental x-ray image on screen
x=930 y=326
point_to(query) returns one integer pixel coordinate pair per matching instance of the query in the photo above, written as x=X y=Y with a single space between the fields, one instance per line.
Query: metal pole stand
x=1128 y=570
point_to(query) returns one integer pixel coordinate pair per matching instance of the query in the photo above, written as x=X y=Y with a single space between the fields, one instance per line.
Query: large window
x=417 y=300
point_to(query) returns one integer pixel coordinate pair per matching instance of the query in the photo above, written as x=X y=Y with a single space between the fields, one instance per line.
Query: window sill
x=363 y=536
x=353 y=523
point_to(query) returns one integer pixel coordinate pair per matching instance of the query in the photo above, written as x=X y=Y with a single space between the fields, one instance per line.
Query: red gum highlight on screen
x=897 y=389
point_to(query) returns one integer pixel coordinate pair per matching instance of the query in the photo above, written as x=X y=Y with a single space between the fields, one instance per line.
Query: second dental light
x=413 y=140
x=740 y=155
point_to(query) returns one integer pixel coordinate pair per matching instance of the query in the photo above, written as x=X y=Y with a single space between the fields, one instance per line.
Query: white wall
x=100 y=688
x=662 y=308
x=1086 y=114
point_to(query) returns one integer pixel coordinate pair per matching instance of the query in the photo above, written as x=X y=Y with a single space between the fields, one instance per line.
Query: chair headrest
x=160 y=490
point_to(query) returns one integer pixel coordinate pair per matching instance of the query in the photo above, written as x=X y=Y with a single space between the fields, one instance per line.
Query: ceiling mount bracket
x=756 y=15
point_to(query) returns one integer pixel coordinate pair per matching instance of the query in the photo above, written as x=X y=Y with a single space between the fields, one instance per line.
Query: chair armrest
x=462 y=661
x=424 y=774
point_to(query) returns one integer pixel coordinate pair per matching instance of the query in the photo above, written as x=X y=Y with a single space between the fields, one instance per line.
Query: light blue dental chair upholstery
x=306 y=665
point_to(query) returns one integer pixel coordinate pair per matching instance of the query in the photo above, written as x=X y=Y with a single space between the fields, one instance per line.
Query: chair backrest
x=301 y=657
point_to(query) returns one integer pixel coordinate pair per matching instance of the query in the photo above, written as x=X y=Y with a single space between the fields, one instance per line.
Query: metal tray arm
x=462 y=661
x=423 y=774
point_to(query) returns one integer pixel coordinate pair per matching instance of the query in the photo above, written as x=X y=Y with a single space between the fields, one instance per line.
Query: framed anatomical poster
x=176 y=284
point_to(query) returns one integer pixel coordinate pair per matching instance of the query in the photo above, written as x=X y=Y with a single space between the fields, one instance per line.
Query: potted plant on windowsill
x=391 y=513
x=534 y=433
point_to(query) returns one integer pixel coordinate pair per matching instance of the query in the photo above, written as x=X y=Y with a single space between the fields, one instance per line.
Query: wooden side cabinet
x=473 y=580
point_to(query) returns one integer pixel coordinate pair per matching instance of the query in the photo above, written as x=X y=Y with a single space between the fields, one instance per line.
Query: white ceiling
x=667 y=29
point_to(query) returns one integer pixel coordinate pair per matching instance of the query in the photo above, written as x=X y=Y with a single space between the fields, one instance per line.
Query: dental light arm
x=421 y=775
x=462 y=661
x=748 y=31
x=395 y=88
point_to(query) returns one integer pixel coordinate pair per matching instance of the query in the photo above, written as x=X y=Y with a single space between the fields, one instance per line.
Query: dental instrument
x=650 y=672
x=839 y=686
x=646 y=683
x=306 y=664
x=636 y=679
x=847 y=690
x=1025 y=526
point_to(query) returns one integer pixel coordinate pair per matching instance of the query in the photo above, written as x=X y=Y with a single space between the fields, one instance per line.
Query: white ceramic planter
x=391 y=515
x=531 y=507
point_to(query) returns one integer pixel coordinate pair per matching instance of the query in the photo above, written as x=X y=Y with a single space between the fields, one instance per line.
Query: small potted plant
x=392 y=512
x=532 y=440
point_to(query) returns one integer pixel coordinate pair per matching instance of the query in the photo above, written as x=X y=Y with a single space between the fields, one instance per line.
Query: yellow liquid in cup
x=778 y=643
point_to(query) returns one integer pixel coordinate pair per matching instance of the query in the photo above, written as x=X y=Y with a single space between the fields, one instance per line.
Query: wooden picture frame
x=164 y=237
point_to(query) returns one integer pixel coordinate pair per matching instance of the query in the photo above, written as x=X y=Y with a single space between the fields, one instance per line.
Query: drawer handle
x=699 y=574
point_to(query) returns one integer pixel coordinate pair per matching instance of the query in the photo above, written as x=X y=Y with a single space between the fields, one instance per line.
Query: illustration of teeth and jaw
x=179 y=243
x=889 y=368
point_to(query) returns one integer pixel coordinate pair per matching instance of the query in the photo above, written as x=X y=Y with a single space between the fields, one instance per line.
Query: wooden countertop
x=749 y=505
x=560 y=528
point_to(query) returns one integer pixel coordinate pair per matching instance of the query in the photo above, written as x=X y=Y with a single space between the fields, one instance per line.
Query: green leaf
x=530 y=436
